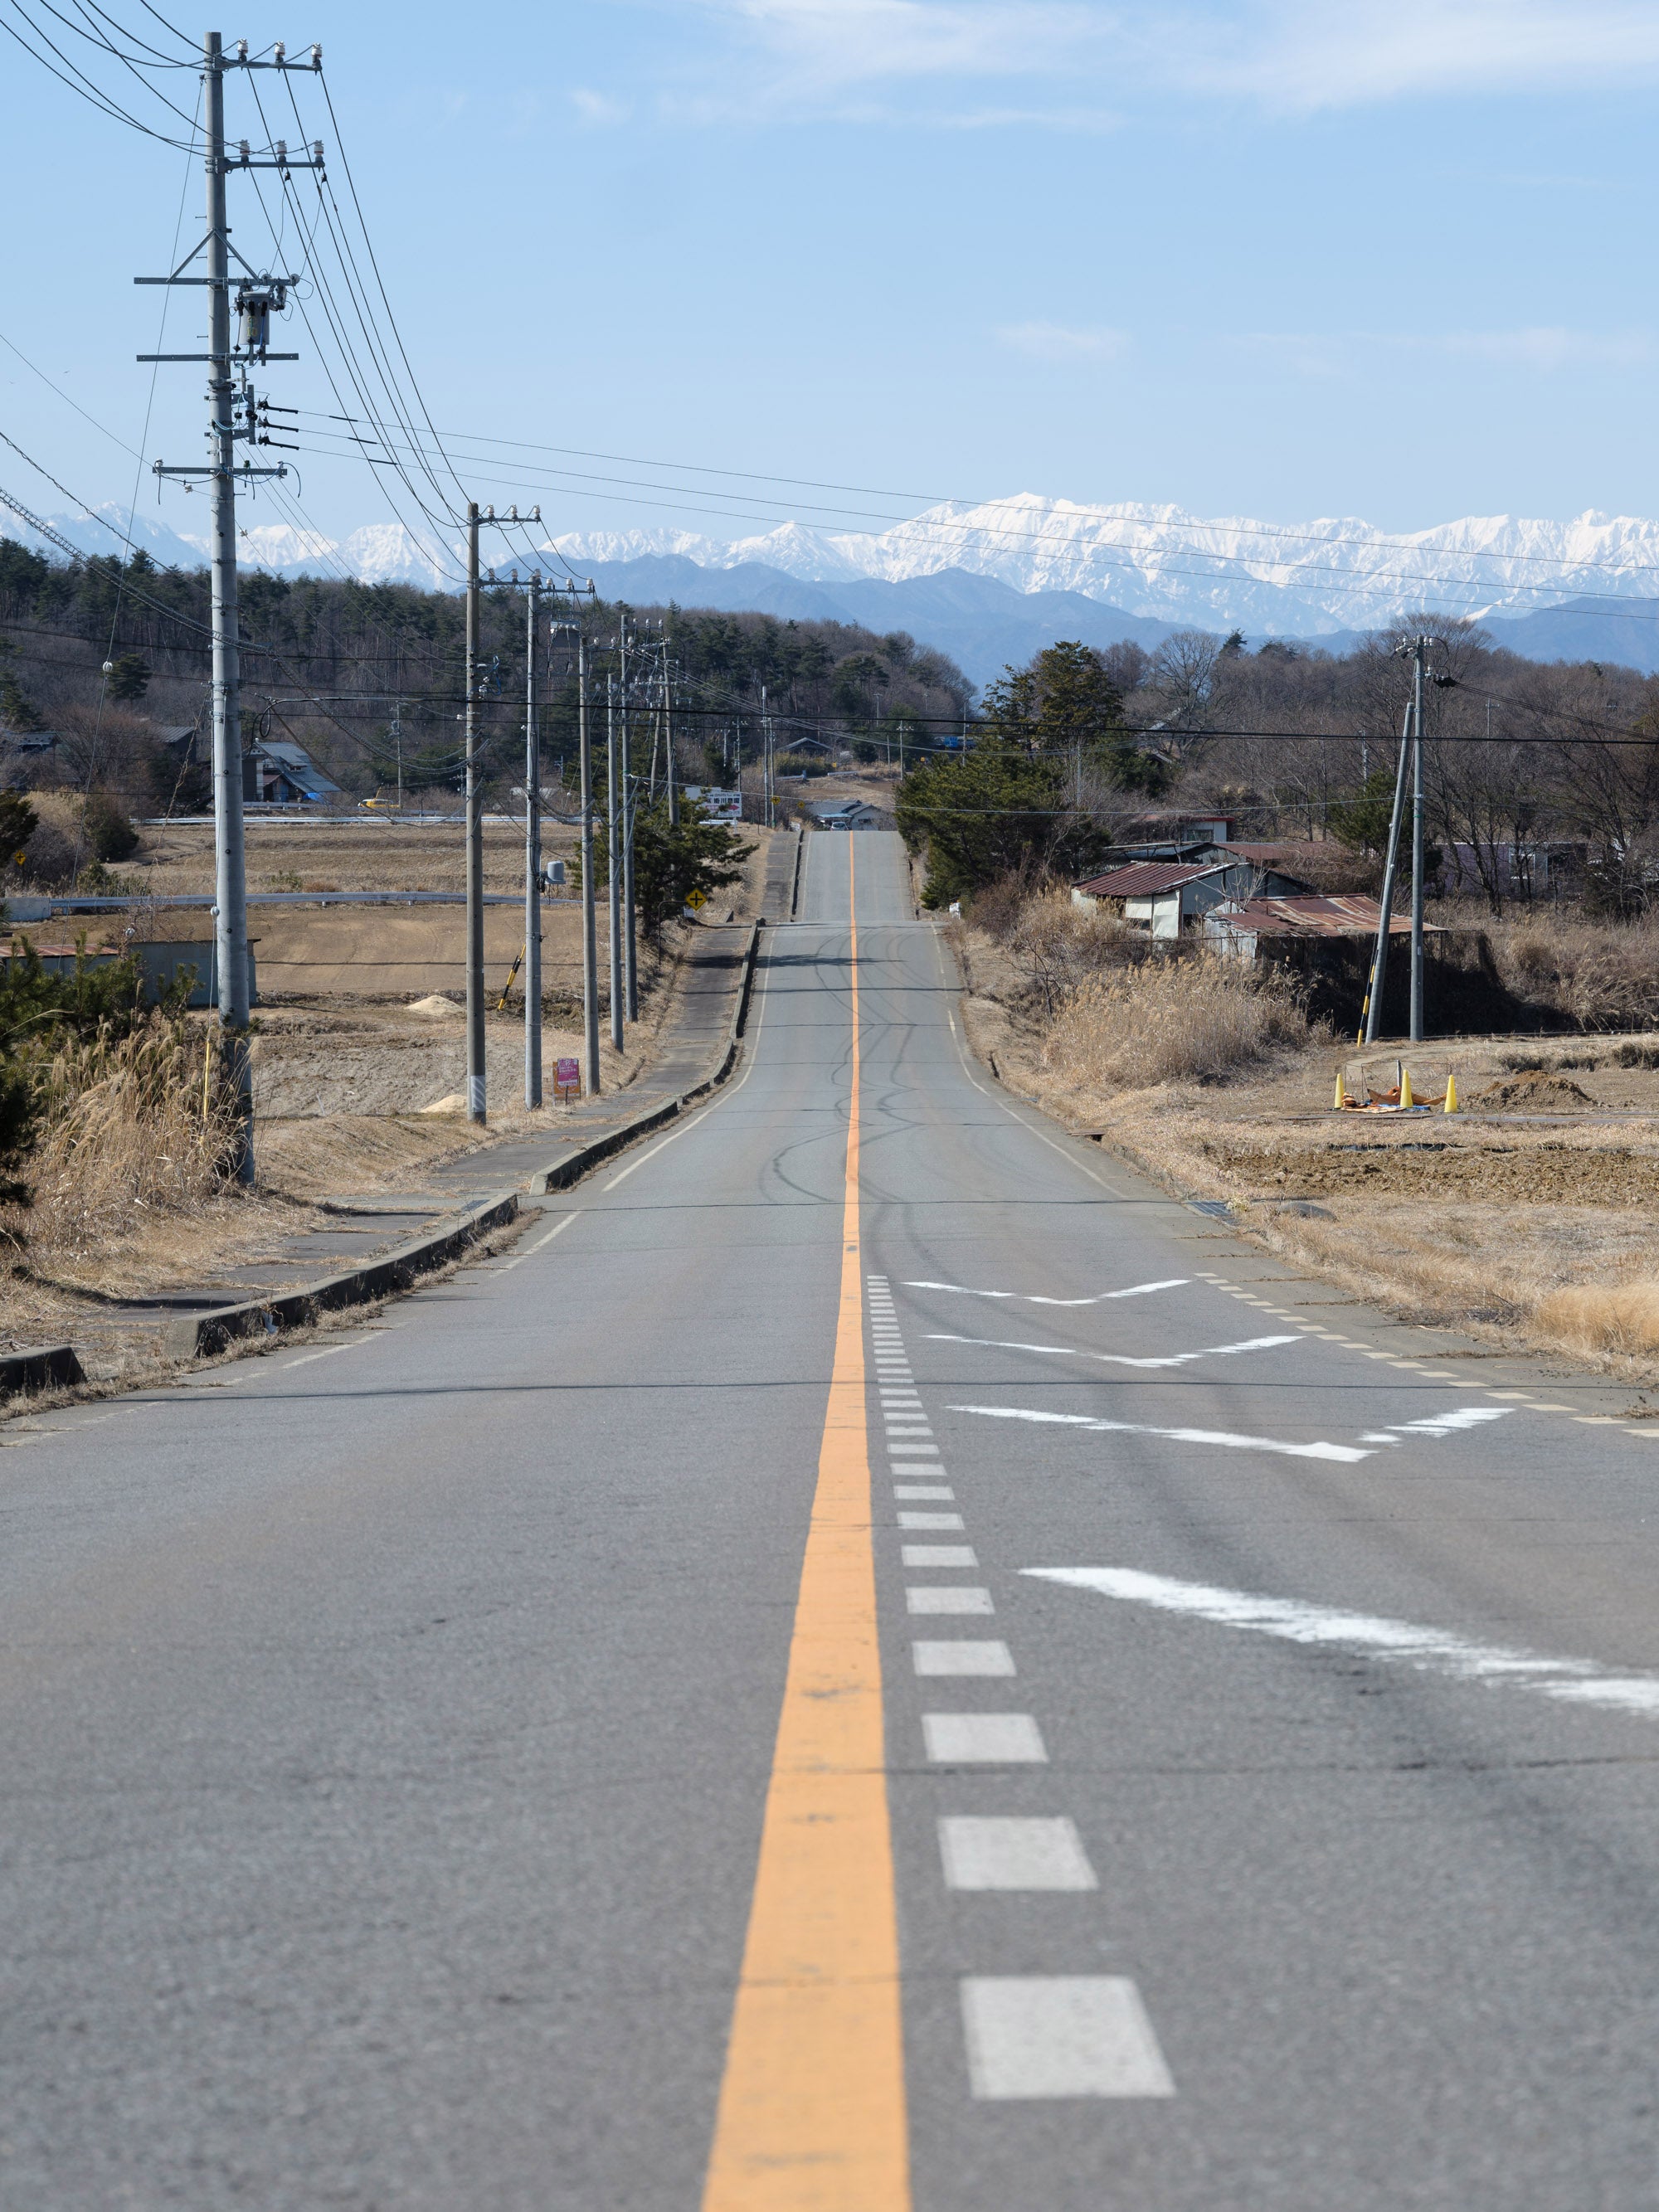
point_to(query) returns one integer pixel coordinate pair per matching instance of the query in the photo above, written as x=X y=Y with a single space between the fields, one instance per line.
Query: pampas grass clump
x=1173 y=1021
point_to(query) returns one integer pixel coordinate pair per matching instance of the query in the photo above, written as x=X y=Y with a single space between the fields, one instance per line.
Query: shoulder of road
x=466 y=1201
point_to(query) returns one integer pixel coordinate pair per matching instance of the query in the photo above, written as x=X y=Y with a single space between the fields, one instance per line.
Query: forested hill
x=360 y=673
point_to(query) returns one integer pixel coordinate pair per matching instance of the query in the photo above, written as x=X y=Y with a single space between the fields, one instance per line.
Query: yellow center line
x=811 y=2111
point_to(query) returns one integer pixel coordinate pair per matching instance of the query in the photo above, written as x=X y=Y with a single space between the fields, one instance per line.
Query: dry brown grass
x=1172 y=1021
x=135 y=1133
x=1621 y=1318
x=1598 y=975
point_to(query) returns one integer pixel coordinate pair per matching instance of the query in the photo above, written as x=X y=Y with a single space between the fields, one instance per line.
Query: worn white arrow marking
x=1119 y=1359
x=1344 y=1452
x=1578 y=1682
x=1134 y=1290
x=1437 y=1425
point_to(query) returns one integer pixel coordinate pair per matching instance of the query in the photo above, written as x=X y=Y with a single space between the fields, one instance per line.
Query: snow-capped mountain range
x=1146 y=568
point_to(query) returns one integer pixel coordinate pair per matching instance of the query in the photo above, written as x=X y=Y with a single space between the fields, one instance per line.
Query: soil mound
x=1538 y=1091
x=436 y=1004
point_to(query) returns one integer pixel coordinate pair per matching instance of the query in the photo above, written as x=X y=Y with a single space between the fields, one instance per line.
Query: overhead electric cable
x=85 y=87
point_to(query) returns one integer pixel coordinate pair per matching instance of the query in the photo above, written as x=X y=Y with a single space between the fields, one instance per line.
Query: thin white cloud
x=598 y=107
x=838 y=56
x=1543 y=347
x=1055 y=341
x=1309 y=54
x=1547 y=348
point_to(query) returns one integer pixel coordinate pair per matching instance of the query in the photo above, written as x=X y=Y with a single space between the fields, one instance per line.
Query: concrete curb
x=49 y=1367
x=208 y=1333
x=562 y=1174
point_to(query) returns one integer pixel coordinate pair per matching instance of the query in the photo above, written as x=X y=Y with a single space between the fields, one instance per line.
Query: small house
x=847 y=814
x=1160 y=896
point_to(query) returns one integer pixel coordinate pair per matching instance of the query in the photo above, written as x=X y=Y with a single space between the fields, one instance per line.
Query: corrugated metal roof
x=1347 y=914
x=1142 y=877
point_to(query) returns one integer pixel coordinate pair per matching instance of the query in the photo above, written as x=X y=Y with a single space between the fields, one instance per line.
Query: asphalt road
x=399 y=1813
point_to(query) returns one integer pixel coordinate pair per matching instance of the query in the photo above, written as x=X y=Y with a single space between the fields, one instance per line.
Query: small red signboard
x=567 y=1077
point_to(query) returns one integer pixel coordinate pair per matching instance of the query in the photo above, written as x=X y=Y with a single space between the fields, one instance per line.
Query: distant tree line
x=370 y=677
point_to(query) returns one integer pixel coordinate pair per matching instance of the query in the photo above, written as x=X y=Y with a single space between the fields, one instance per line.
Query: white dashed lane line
x=1058 y=2035
x=1003 y=1852
x=1061 y=2035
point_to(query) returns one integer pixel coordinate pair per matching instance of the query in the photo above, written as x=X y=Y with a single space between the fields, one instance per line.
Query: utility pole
x=1419 y=655
x=590 y=951
x=613 y=855
x=668 y=737
x=476 y=748
x=766 y=757
x=1385 y=909
x=630 y=969
x=532 y=860
x=256 y=296
x=474 y=919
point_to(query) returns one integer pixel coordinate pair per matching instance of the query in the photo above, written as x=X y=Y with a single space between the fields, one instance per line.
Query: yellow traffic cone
x=1406 y=1098
x=1451 y=1106
x=1341 y=1091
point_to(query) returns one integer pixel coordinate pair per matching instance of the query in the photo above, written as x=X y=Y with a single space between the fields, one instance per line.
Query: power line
x=78 y=81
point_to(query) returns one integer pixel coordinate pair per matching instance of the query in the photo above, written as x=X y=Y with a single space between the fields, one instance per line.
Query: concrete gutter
x=574 y=1165
x=204 y=1335
x=50 y=1367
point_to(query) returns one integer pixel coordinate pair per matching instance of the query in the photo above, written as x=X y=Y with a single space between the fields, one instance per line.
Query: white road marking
x=1437 y=1425
x=900 y=1453
x=984 y=1740
x=1435 y=1650
x=938 y=1555
x=1344 y=1453
x=959 y=1655
x=1061 y=2035
x=531 y=1250
x=918 y=1490
x=1134 y=1290
x=1122 y=1359
x=961 y=1598
x=327 y=1353
x=930 y=1521
x=1003 y=1853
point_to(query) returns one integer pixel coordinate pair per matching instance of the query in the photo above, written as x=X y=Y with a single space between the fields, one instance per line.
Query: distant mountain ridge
x=992 y=583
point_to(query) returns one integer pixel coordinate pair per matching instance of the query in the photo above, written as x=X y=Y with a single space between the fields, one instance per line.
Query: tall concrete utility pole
x=1385 y=909
x=532 y=860
x=668 y=736
x=256 y=296
x=613 y=856
x=230 y=874
x=590 y=949
x=1418 y=657
x=474 y=919
x=630 y=971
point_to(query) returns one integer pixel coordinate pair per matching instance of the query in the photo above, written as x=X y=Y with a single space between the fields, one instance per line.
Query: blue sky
x=1269 y=258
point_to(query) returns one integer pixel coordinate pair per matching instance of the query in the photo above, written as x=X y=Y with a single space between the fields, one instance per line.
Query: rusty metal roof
x=1142 y=877
x=1350 y=913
